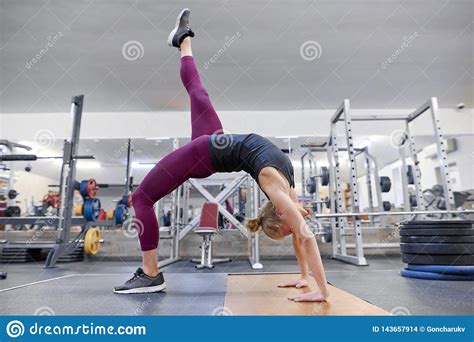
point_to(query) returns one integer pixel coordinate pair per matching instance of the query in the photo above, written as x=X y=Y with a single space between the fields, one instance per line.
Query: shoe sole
x=149 y=289
x=170 y=37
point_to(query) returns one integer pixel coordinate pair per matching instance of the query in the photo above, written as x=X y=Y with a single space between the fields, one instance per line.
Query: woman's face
x=285 y=229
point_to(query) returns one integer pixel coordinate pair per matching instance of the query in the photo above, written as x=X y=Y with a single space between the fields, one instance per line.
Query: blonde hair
x=268 y=221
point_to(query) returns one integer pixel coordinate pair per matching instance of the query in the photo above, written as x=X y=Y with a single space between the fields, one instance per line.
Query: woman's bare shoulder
x=271 y=177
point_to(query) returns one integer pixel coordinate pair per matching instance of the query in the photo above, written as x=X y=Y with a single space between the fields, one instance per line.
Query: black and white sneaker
x=141 y=283
x=181 y=30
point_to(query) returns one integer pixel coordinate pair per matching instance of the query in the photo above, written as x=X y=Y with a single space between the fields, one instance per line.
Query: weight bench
x=207 y=229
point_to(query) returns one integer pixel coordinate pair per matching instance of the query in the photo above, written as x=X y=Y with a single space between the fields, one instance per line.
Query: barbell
x=393 y=213
x=311 y=181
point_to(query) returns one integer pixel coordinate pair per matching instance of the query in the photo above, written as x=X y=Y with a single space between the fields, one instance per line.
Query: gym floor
x=85 y=288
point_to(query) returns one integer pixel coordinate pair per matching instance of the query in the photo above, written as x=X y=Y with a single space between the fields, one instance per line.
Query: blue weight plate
x=434 y=276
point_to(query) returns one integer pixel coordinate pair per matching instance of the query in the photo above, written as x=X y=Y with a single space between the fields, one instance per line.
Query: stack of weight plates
x=447 y=243
x=22 y=255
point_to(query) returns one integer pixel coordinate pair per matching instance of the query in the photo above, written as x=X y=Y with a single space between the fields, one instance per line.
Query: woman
x=211 y=151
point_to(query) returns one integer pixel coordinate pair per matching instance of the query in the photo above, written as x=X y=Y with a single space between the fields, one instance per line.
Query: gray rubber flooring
x=86 y=288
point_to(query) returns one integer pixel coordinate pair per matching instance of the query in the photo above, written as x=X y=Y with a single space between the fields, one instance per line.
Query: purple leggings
x=190 y=161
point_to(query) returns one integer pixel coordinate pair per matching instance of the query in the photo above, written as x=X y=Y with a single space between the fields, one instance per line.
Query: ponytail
x=268 y=221
x=254 y=224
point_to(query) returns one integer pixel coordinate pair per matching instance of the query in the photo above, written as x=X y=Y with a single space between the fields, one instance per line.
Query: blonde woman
x=212 y=151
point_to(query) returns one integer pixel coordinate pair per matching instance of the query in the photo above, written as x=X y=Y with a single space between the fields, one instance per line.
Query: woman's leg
x=204 y=119
x=190 y=161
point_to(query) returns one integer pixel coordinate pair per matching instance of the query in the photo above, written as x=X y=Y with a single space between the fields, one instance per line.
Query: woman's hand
x=315 y=296
x=299 y=283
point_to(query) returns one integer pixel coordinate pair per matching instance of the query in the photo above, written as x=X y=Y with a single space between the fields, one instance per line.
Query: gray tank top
x=249 y=153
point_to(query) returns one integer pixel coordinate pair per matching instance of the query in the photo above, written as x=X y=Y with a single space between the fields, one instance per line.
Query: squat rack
x=64 y=220
x=338 y=214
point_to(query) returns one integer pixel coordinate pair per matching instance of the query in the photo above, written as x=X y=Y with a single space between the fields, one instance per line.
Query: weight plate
x=327 y=202
x=88 y=188
x=437 y=232
x=386 y=206
x=439 y=259
x=327 y=237
x=121 y=214
x=83 y=188
x=110 y=214
x=438 y=222
x=311 y=185
x=410 y=176
x=92 y=241
x=324 y=174
x=437 y=248
x=434 y=276
x=437 y=239
x=125 y=200
x=442 y=269
x=13 y=211
x=12 y=194
x=91 y=209
x=385 y=184
x=78 y=209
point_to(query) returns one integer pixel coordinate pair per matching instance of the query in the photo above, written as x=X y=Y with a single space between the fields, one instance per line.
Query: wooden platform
x=258 y=294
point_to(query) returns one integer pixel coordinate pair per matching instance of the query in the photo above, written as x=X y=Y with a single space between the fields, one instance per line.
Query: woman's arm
x=303 y=281
x=292 y=216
